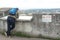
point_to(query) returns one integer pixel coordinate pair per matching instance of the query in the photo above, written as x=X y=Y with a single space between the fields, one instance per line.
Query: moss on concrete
x=47 y=37
x=22 y=34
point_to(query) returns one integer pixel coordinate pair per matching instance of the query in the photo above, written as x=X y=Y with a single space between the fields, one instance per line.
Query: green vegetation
x=21 y=34
x=46 y=37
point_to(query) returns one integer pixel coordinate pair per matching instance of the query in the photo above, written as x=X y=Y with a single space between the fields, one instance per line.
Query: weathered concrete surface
x=51 y=29
x=37 y=27
x=18 y=38
x=21 y=21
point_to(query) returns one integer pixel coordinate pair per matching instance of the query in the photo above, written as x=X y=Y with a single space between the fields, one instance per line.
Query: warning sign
x=46 y=18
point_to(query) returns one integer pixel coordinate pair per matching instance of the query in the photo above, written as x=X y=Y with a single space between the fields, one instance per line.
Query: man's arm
x=17 y=15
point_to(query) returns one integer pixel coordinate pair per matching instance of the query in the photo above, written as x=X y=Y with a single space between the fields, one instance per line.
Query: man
x=13 y=15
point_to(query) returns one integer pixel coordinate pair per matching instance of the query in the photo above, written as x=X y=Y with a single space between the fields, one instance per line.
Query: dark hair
x=17 y=8
x=14 y=8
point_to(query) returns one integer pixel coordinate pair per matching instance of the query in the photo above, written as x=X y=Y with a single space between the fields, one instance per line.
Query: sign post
x=47 y=19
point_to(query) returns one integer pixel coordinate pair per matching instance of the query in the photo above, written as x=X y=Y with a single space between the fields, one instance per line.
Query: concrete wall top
x=21 y=18
x=4 y=9
x=47 y=13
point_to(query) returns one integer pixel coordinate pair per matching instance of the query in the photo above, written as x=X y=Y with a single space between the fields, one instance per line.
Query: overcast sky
x=30 y=4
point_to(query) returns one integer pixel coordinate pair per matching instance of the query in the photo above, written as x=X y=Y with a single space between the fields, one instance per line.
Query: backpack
x=13 y=11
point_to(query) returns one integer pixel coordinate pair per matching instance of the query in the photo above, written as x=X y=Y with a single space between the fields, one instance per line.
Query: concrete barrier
x=23 y=23
x=36 y=26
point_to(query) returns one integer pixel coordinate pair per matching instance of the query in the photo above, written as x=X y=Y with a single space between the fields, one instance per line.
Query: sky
x=30 y=4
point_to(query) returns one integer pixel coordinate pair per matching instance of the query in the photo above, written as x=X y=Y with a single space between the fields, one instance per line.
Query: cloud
x=29 y=4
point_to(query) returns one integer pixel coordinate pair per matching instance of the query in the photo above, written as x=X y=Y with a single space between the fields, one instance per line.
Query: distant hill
x=41 y=10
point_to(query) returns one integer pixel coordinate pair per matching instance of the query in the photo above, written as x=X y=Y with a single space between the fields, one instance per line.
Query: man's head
x=17 y=8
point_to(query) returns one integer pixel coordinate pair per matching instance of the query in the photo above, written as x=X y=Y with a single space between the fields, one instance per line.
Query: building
x=3 y=11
